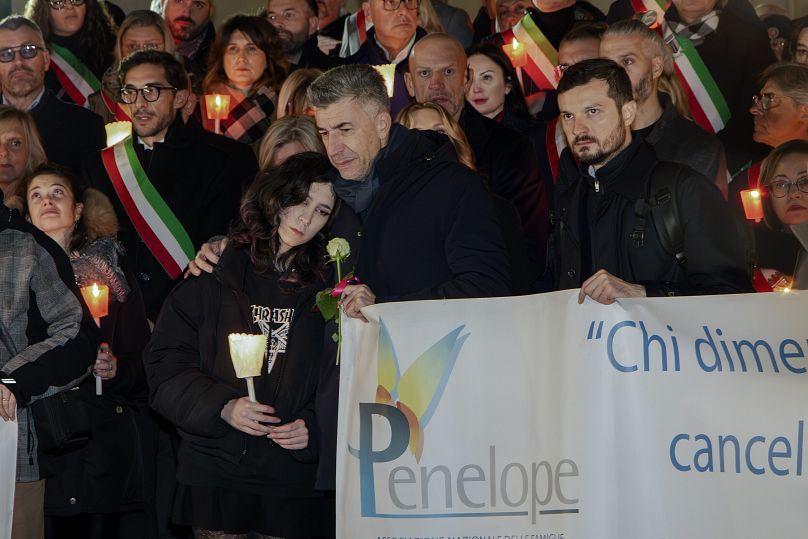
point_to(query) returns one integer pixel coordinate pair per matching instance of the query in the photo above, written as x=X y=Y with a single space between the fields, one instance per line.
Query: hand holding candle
x=217 y=107
x=247 y=354
x=96 y=296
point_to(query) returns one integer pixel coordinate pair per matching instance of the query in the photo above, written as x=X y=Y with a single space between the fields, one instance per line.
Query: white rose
x=338 y=248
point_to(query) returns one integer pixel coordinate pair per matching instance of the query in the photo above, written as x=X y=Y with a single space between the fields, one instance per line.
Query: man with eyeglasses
x=296 y=22
x=395 y=30
x=191 y=25
x=193 y=178
x=69 y=132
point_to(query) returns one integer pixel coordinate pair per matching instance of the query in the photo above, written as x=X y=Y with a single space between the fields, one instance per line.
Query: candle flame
x=95 y=291
x=218 y=99
x=786 y=290
x=515 y=44
x=755 y=193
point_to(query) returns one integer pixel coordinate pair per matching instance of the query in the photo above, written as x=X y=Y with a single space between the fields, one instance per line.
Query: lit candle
x=388 y=73
x=517 y=53
x=752 y=204
x=247 y=354
x=96 y=296
x=218 y=107
x=117 y=131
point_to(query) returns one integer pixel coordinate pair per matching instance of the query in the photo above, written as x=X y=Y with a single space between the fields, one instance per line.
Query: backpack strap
x=661 y=204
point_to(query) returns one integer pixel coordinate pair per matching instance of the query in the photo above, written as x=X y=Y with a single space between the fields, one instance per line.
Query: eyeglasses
x=781 y=188
x=61 y=4
x=765 y=101
x=150 y=93
x=26 y=53
x=393 y=5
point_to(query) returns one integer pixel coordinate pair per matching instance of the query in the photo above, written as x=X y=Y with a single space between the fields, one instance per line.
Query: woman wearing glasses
x=142 y=29
x=247 y=64
x=80 y=35
x=784 y=182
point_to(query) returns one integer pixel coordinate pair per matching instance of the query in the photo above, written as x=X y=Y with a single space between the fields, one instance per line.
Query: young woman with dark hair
x=249 y=467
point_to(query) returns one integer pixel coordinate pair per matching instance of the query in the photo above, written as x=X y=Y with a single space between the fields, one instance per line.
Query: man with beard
x=190 y=22
x=172 y=176
x=438 y=72
x=646 y=59
x=296 y=22
x=69 y=132
x=607 y=239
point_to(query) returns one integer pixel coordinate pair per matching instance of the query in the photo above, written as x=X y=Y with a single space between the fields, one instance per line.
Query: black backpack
x=660 y=203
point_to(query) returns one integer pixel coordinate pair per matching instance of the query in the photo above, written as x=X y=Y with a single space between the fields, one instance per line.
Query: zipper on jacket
x=597 y=186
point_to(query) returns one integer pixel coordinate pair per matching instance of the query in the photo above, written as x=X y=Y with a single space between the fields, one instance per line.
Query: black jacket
x=200 y=175
x=593 y=229
x=313 y=57
x=431 y=231
x=191 y=377
x=509 y=162
x=679 y=140
x=69 y=133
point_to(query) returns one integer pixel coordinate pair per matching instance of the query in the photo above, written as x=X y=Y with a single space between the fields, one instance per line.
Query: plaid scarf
x=698 y=30
x=250 y=119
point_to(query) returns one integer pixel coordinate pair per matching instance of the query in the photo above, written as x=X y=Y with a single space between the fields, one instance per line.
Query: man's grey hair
x=791 y=77
x=360 y=82
x=15 y=22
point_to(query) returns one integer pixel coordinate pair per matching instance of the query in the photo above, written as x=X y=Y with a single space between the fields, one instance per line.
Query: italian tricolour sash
x=75 y=77
x=542 y=57
x=156 y=224
x=556 y=142
x=121 y=113
x=707 y=104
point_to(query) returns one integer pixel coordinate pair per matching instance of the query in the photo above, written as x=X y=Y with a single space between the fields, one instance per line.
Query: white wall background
x=797 y=8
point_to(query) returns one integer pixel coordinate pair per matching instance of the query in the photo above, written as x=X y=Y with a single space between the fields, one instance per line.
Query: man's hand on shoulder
x=207 y=257
x=605 y=288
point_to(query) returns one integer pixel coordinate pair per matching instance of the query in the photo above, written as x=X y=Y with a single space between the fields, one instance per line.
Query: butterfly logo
x=418 y=391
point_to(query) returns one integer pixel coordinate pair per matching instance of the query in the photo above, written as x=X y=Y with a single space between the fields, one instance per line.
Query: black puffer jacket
x=594 y=225
x=191 y=378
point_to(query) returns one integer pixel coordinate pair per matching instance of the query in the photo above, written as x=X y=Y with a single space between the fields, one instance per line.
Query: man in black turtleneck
x=603 y=243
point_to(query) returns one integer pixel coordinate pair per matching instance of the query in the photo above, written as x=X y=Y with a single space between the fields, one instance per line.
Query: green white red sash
x=542 y=58
x=121 y=113
x=707 y=103
x=156 y=224
x=556 y=142
x=75 y=77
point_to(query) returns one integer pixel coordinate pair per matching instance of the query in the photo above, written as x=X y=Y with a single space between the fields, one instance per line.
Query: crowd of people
x=462 y=173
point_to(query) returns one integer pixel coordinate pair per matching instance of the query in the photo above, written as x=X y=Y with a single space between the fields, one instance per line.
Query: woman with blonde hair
x=431 y=116
x=21 y=151
x=292 y=100
x=142 y=29
x=286 y=137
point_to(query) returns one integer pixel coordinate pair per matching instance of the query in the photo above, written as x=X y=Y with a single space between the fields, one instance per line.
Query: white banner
x=8 y=472
x=538 y=418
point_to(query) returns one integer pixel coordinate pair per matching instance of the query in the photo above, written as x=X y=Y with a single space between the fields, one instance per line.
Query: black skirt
x=220 y=509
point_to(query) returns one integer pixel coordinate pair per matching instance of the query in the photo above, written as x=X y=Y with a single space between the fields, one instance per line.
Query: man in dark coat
x=69 y=133
x=198 y=175
x=735 y=48
x=604 y=244
x=645 y=57
x=437 y=73
x=429 y=228
x=390 y=41
x=296 y=22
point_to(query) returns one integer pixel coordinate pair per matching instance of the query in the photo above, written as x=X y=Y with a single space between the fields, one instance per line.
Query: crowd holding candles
x=169 y=188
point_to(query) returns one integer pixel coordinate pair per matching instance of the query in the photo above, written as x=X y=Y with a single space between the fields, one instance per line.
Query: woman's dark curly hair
x=270 y=193
x=261 y=32
x=96 y=36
